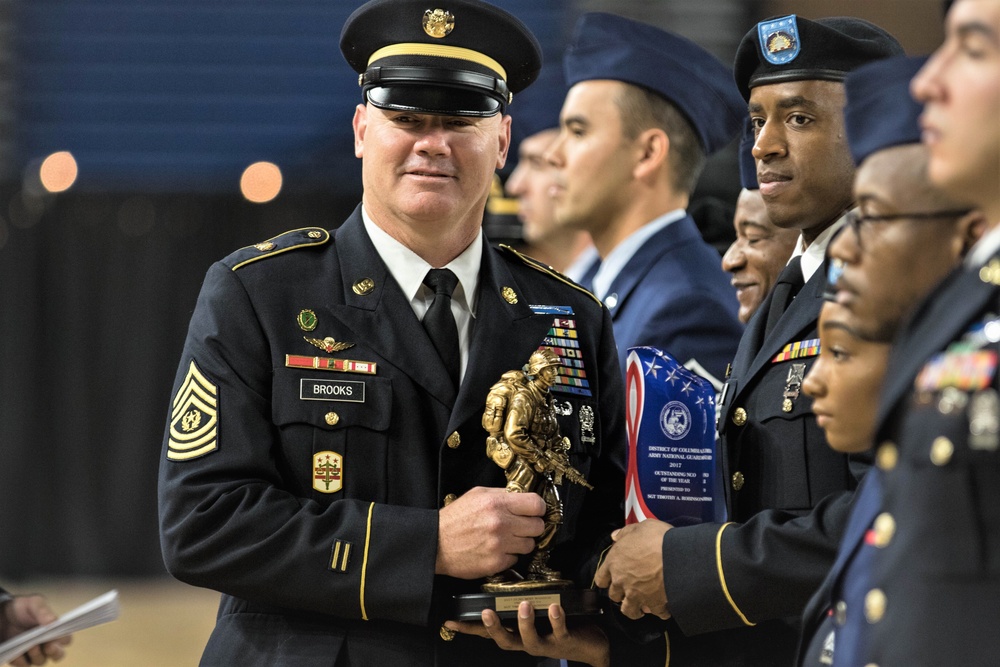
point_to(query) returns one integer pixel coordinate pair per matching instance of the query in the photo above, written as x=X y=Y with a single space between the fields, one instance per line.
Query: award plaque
x=523 y=438
x=674 y=474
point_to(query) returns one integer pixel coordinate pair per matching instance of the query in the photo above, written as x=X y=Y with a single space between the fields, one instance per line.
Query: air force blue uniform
x=672 y=295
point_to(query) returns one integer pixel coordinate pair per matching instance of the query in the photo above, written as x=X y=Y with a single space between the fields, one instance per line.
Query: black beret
x=607 y=46
x=790 y=48
x=459 y=57
x=880 y=113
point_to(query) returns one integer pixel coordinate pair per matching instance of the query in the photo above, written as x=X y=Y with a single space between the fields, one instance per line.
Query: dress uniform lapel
x=944 y=316
x=381 y=314
x=663 y=241
x=503 y=337
x=801 y=316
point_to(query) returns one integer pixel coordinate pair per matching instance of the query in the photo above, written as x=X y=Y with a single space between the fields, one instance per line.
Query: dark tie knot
x=442 y=281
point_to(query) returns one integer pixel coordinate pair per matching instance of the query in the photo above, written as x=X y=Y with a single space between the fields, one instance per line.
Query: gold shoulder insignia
x=538 y=266
x=291 y=240
x=194 y=417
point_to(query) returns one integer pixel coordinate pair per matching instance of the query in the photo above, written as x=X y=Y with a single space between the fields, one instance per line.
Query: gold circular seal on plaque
x=438 y=23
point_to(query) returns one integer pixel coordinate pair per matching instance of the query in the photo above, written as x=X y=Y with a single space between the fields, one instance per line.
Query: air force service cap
x=792 y=48
x=452 y=57
x=880 y=112
x=607 y=46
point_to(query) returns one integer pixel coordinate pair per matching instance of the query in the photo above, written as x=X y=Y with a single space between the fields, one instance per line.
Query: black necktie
x=789 y=283
x=439 y=321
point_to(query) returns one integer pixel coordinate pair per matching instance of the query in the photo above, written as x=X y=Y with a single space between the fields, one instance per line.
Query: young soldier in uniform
x=324 y=465
x=644 y=109
x=789 y=494
x=904 y=238
x=934 y=595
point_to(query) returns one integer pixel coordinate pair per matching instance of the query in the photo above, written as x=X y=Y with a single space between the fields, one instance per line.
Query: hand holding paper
x=46 y=641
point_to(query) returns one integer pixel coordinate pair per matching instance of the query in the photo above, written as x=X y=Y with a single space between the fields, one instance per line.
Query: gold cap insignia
x=328 y=472
x=509 y=295
x=264 y=246
x=363 y=287
x=438 y=23
x=307 y=320
x=315 y=235
x=194 y=417
x=328 y=344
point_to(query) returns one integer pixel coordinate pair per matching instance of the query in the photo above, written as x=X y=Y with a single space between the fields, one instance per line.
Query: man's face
x=889 y=266
x=530 y=182
x=592 y=157
x=548 y=375
x=960 y=86
x=845 y=381
x=758 y=254
x=804 y=164
x=423 y=170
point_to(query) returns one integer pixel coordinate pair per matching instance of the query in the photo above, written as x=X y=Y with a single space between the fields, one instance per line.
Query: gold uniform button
x=738 y=480
x=447 y=634
x=454 y=440
x=332 y=418
x=739 y=416
x=885 y=529
x=449 y=499
x=875 y=602
x=887 y=456
x=941 y=451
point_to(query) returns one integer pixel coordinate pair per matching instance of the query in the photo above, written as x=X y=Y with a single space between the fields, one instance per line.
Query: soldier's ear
x=653 y=146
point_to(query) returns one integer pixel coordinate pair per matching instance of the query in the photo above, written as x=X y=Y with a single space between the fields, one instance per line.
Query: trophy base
x=505 y=598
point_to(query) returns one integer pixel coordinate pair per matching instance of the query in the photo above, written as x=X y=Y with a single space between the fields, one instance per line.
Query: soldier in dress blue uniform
x=644 y=109
x=904 y=238
x=789 y=493
x=324 y=465
x=935 y=583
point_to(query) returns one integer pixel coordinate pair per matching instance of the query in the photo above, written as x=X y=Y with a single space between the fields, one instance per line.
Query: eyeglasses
x=855 y=219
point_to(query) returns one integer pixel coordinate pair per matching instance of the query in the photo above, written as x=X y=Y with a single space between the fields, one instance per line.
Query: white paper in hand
x=100 y=610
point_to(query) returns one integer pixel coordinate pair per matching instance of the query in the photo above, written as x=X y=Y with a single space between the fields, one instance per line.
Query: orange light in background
x=58 y=171
x=261 y=182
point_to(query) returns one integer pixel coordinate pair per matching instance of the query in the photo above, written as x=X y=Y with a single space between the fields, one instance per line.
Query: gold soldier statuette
x=524 y=440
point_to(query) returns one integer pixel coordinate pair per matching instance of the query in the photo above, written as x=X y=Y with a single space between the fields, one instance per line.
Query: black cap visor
x=427 y=98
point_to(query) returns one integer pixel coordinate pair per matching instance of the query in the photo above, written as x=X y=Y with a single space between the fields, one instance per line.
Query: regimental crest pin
x=438 y=23
x=509 y=295
x=779 y=39
x=363 y=287
x=328 y=472
x=328 y=344
x=307 y=320
x=194 y=417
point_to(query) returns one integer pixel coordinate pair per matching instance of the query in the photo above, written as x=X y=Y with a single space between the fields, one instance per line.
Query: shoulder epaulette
x=538 y=266
x=296 y=238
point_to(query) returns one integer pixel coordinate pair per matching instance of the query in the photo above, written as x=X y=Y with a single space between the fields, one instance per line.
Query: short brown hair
x=642 y=109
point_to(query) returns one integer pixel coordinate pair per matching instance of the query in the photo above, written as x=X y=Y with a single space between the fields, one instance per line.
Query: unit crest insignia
x=194 y=418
